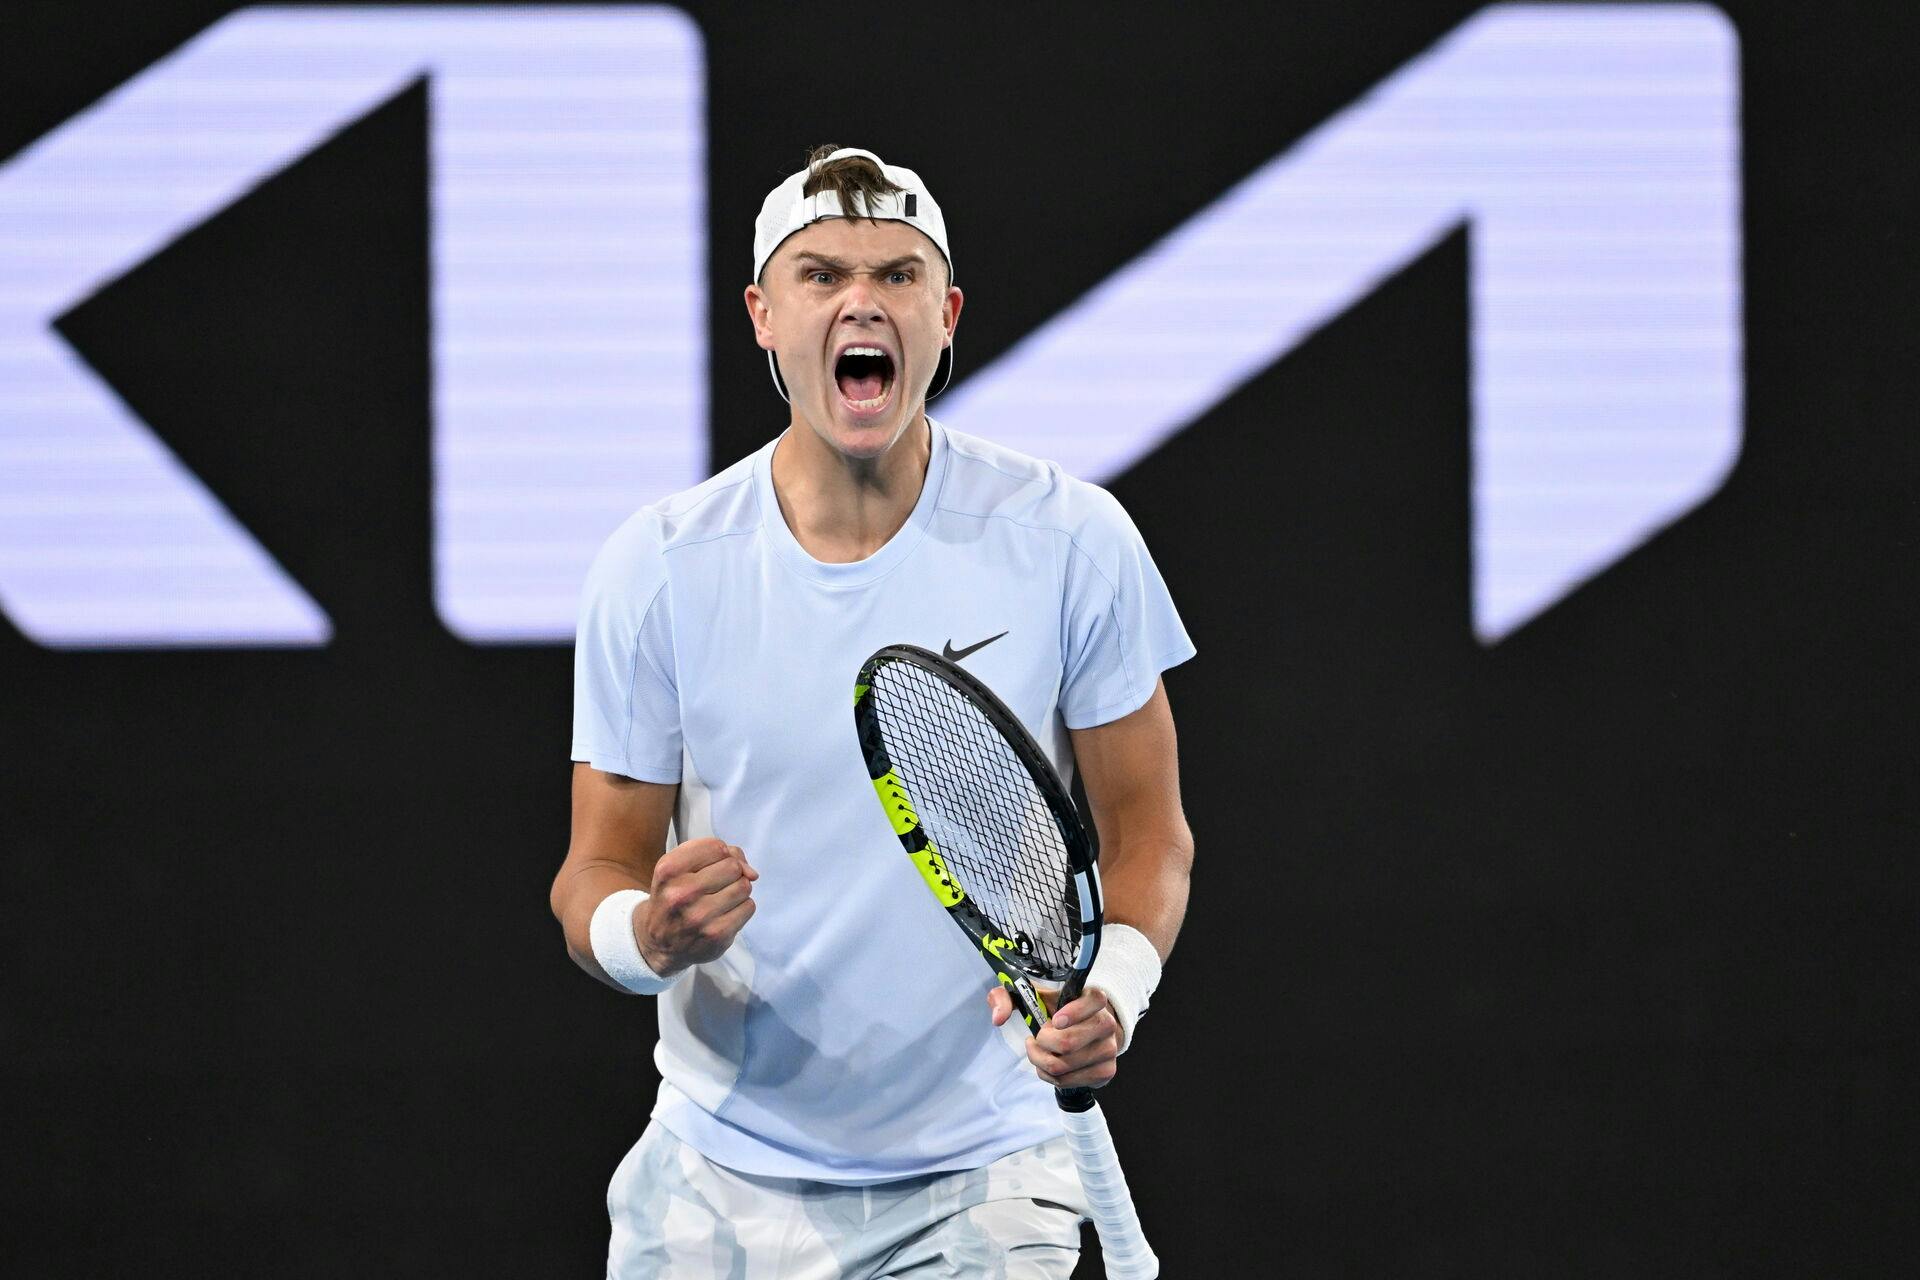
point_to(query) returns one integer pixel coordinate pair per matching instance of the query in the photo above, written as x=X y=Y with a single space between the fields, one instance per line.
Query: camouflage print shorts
x=678 y=1216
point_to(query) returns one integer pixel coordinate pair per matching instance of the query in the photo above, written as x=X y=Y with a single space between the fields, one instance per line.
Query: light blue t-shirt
x=845 y=1037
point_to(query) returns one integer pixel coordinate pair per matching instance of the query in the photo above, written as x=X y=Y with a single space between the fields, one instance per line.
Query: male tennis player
x=833 y=1099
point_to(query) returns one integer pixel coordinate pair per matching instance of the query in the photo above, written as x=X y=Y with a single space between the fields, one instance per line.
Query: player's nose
x=860 y=305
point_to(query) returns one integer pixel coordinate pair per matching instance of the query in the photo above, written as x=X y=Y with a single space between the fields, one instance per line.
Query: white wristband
x=1127 y=968
x=617 y=951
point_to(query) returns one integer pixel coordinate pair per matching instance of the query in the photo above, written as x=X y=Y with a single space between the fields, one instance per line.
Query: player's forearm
x=573 y=901
x=1144 y=879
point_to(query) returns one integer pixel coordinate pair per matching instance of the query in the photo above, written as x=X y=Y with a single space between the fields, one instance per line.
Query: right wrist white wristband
x=1127 y=968
x=617 y=951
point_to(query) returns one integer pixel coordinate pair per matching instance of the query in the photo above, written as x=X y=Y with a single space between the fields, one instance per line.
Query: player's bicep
x=1131 y=770
x=619 y=829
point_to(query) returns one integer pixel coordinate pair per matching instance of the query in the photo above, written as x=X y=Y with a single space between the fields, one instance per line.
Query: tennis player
x=841 y=1093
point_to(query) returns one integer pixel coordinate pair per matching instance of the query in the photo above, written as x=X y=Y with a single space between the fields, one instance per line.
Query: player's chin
x=865 y=432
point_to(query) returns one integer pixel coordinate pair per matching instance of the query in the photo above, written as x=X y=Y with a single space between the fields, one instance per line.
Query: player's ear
x=760 y=312
x=950 y=311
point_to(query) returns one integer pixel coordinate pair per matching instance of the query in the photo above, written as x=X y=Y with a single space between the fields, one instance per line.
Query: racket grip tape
x=1122 y=1243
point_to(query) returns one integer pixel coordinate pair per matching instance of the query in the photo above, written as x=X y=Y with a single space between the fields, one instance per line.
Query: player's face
x=857 y=313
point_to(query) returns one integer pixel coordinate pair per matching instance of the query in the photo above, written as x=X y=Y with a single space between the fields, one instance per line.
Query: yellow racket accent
x=996 y=949
x=893 y=798
x=1011 y=987
x=933 y=869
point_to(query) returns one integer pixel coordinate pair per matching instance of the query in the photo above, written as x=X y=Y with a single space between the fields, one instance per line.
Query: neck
x=843 y=509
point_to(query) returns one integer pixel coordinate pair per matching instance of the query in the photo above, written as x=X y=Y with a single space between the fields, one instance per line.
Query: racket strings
x=980 y=807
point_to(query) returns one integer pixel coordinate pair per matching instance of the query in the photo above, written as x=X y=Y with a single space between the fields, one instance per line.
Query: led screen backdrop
x=1593 y=152
x=1508 y=395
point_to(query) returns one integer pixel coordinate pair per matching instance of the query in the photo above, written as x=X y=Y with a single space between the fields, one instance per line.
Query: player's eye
x=899 y=277
x=820 y=277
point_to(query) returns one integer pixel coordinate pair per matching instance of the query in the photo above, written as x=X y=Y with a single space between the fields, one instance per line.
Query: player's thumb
x=1000 y=1004
x=740 y=856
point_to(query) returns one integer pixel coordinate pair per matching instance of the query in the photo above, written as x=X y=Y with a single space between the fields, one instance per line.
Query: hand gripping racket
x=1001 y=845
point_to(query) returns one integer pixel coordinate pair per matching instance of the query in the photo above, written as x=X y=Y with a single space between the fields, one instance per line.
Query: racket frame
x=1126 y=1253
x=1016 y=970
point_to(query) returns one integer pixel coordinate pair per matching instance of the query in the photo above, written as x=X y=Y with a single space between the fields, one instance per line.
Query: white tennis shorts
x=678 y=1216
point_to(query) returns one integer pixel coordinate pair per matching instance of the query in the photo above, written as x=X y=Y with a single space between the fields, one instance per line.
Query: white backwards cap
x=788 y=208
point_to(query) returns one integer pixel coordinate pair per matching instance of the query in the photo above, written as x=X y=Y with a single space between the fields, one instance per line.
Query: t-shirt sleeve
x=626 y=703
x=1120 y=629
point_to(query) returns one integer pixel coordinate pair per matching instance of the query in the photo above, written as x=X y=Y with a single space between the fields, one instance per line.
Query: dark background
x=1591 y=953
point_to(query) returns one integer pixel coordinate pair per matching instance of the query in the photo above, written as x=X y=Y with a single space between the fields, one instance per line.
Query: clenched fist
x=701 y=898
x=1078 y=1045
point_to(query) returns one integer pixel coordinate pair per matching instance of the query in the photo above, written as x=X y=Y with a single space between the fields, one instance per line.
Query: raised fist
x=701 y=898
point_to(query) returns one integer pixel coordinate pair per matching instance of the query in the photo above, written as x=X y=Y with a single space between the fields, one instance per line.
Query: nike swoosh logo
x=954 y=655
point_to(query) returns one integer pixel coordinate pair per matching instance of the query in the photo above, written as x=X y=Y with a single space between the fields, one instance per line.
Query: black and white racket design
x=1000 y=843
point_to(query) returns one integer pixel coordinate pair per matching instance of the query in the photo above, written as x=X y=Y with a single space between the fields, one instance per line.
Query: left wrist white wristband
x=617 y=951
x=1127 y=969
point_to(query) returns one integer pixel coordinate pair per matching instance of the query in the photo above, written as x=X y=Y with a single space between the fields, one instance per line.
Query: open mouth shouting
x=865 y=374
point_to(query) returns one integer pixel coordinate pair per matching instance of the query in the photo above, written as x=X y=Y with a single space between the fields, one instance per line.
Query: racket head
x=985 y=818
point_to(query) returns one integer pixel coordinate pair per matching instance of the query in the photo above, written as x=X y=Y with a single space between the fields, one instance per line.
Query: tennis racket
x=999 y=842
